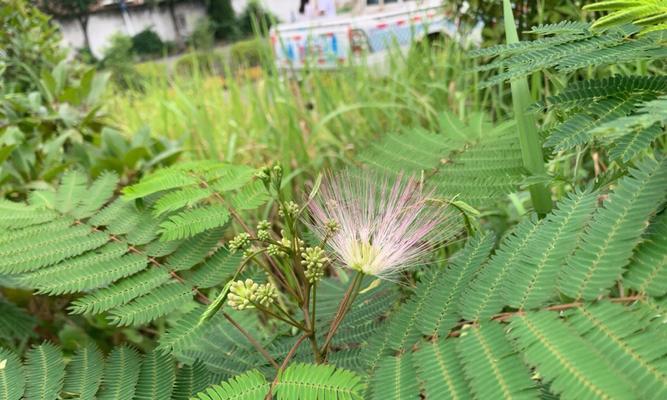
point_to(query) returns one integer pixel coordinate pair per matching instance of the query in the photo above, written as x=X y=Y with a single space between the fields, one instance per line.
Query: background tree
x=223 y=17
x=79 y=9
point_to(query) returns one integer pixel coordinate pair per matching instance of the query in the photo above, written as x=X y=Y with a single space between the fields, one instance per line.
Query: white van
x=367 y=33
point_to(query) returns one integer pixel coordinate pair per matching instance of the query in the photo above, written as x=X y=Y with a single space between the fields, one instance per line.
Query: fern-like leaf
x=395 y=378
x=629 y=340
x=651 y=14
x=71 y=192
x=251 y=385
x=307 y=381
x=121 y=374
x=97 y=195
x=12 y=383
x=84 y=372
x=15 y=323
x=573 y=367
x=608 y=242
x=482 y=297
x=150 y=306
x=492 y=366
x=440 y=369
x=441 y=318
x=191 y=222
x=156 y=377
x=532 y=280
x=647 y=272
x=190 y=380
x=120 y=293
x=44 y=371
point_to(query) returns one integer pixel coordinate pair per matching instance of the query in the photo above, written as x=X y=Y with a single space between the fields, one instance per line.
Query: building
x=130 y=17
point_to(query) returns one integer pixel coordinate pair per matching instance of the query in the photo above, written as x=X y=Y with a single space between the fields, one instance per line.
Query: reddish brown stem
x=289 y=356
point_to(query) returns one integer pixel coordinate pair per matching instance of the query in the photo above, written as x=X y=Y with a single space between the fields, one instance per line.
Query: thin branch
x=343 y=308
x=557 y=307
x=289 y=356
x=252 y=340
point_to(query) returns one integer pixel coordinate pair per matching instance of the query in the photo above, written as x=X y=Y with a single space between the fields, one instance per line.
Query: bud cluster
x=245 y=294
x=263 y=230
x=290 y=209
x=332 y=227
x=275 y=251
x=240 y=241
x=271 y=176
x=313 y=259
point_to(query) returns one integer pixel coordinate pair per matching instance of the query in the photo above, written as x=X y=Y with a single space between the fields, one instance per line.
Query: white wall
x=102 y=25
x=285 y=10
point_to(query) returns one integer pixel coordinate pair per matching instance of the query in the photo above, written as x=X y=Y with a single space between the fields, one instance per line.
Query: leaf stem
x=252 y=340
x=282 y=367
x=343 y=308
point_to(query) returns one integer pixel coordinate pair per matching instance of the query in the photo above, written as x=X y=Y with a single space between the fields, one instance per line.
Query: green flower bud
x=242 y=294
x=266 y=294
x=275 y=251
x=314 y=258
x=290 y=209
x=263 y=225
x=263 y=235
x=332 y=226
x=240 y=241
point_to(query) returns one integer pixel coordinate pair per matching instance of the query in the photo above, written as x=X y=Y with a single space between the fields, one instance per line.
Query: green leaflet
x=608 y=241
x=12 y=381
x=647 y=272
x=395 y=378
x=441 y=370
x=297 y=382
x=531 y=281
x=491 y=365
x=44 y=372
x=574 y=367
x=156 y=377
x=121 y=374
x=84 y=372
x=628 y=338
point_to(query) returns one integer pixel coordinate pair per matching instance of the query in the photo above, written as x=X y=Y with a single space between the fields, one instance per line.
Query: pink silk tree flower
x=385 y=224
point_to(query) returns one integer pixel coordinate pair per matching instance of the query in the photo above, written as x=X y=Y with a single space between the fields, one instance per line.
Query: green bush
x=148 y=43
x=255 y=19
x=202 y=38
x=28 y=44
x=249 y=53
x=119 y=60
x=223 y=19
x=151 y=70
x=200 y=61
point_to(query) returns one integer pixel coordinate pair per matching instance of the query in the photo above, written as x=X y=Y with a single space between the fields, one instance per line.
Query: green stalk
x=529 y=138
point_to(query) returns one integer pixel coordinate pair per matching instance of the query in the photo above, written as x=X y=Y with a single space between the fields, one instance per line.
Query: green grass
x=256 y=115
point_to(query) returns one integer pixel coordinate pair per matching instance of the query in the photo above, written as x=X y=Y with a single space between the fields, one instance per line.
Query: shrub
x=203 y=62
x=147 y=42
x=249 y=53
x=202 y=38
x=119 y=58
x=255 y=19
x=27 y=41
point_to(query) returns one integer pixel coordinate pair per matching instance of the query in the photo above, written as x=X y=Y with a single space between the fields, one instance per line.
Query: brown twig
x=343 y=308
x=557 y=307
x=289 y=356
x=252 y=340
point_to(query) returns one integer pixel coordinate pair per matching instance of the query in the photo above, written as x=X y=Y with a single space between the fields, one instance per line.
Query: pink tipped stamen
x=384 y=227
